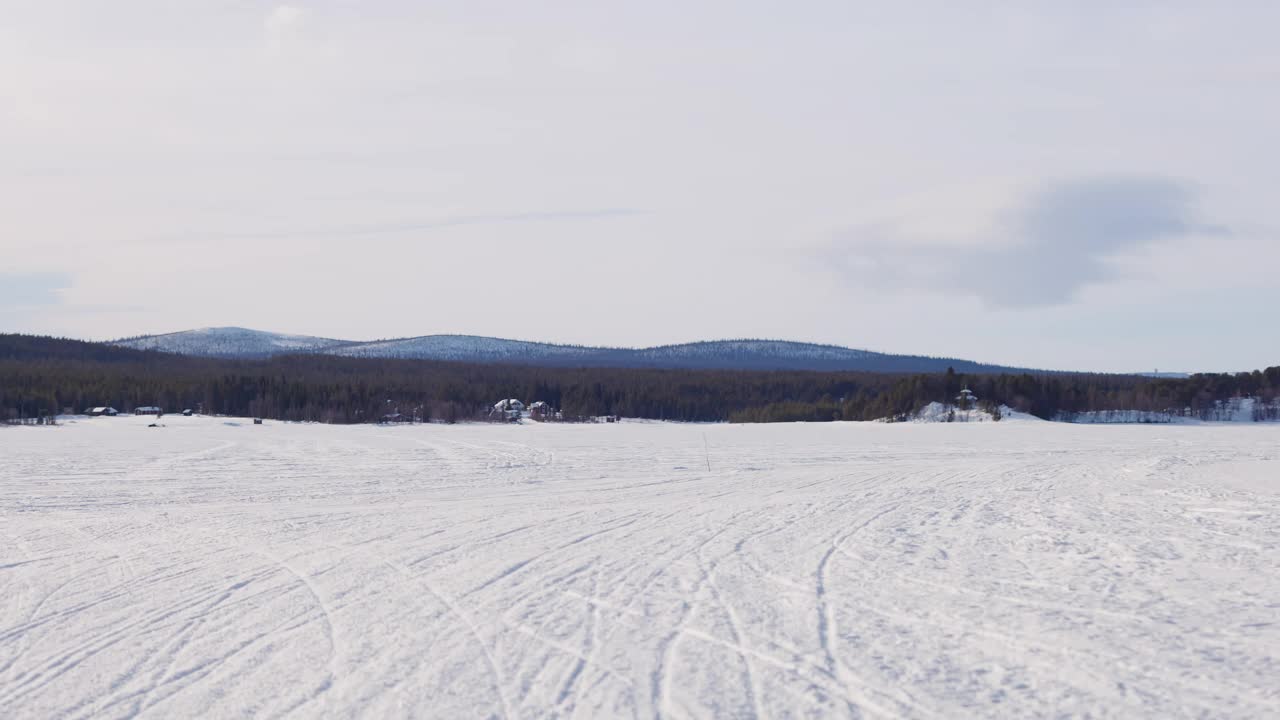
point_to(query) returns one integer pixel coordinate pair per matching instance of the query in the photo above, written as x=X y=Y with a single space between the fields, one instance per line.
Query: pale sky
x=1066 y=185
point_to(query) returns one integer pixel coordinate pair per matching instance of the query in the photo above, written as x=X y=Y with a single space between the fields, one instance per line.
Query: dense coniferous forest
x=42 y=376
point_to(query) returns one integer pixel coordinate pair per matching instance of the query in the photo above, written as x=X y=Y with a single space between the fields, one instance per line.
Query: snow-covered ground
x=213 y=568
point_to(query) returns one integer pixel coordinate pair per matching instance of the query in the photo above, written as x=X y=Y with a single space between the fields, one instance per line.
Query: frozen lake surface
x=213 y=568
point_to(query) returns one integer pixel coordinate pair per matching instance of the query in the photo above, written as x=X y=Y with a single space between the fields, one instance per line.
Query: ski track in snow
x=212 y=568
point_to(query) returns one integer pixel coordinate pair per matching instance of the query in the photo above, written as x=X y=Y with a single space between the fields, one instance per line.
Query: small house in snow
x=101 y=411
x=147 y=410
x=541 y=410
x=966 y=399
x=510 y=409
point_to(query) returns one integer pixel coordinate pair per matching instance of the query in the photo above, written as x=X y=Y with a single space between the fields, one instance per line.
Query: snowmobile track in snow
x=214 y=568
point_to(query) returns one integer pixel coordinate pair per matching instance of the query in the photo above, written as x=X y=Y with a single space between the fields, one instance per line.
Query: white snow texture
x=213 y=568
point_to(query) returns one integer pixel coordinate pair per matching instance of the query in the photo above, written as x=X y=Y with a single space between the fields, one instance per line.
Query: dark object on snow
x=187 y=412
x=257 y=421
x=154 y=425
x=541 y=410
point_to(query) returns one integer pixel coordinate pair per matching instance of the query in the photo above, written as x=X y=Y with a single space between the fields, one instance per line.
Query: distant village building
x=101 y=411
x=187 y=412
x=542 y=411
x=147 y=410
x=509 y=409
x=966 y=399
x=397 y=418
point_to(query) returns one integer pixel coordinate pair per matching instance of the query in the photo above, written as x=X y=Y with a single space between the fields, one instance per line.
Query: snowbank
x=1233 y=410
x=1123 y=417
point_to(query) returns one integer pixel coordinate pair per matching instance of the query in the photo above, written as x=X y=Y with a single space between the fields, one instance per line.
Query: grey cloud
x=1041 y=252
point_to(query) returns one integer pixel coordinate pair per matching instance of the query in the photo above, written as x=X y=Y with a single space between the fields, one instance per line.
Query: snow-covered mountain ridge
x=744 y=354
x=230 y=342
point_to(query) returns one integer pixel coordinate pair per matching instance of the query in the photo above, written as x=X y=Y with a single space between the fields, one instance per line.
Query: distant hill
x=42 y=376
x=229 y=342
x=26 y=348
x=234 y=342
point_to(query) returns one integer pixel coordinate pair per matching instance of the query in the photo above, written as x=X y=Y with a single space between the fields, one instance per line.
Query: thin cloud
x=282 y=17
x=31 y=290
x=356 y=231
x=282 y=26
x=1040 y=253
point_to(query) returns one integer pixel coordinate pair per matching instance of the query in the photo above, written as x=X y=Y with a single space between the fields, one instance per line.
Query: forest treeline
x=42 y=376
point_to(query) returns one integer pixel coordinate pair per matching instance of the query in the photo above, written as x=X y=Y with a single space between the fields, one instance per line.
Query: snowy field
x=213 y=568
